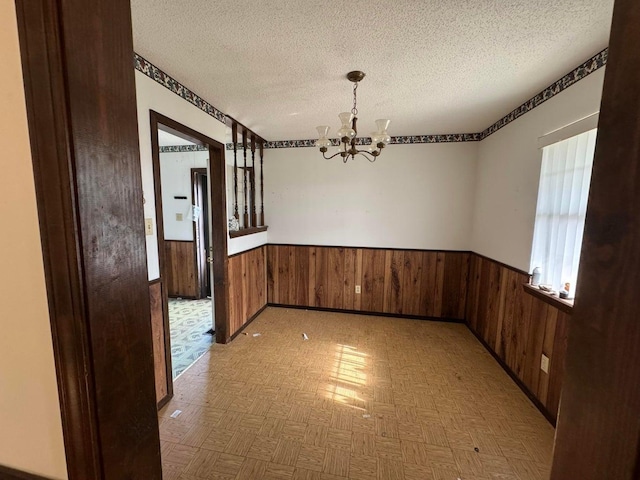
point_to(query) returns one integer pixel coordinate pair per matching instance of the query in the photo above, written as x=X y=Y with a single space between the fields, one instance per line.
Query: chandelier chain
x=354 y=110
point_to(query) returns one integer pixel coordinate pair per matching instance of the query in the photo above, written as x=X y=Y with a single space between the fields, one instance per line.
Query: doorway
x=191 y=237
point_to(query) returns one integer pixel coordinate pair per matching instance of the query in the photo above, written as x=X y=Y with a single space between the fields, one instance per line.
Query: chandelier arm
x=367 y=155
x=330 y=157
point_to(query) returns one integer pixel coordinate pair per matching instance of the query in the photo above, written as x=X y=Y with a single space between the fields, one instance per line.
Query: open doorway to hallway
x=186 y=232
x=189 y=297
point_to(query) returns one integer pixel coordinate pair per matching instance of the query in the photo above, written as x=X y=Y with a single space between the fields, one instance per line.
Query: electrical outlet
x=179 y=217
x=358 y=289
x=544 y=363
x=148 y=226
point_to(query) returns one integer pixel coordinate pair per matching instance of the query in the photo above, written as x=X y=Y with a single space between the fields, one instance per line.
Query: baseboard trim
x=164 y=401
x=7 y=473
x=372 y=314
x=550 y=418
x=251 y=319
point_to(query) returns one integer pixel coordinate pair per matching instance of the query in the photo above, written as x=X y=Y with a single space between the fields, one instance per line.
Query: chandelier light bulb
x=323 y=142
x=347 y=131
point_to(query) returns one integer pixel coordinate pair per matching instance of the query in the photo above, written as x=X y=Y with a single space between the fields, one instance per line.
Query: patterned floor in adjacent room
x=188 y=322
x=364 y=398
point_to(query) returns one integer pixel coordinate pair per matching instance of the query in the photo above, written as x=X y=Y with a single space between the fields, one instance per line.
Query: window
x=562 y=205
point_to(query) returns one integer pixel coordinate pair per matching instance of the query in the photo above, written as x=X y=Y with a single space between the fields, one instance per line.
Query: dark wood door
x=201 y=227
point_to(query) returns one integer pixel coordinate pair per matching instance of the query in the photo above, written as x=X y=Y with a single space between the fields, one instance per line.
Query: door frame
x=86 y=161
x=218 y=208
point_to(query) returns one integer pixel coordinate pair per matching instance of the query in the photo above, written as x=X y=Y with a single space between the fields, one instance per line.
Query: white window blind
x=562 y=205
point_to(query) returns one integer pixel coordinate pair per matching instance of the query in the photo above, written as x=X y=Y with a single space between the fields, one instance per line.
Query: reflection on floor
x=364 y=398
x=188 y=321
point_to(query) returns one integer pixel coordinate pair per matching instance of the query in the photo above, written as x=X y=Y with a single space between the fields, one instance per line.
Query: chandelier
x=348 y=132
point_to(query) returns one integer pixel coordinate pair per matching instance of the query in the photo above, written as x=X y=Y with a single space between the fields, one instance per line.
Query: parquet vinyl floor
x=364 y=398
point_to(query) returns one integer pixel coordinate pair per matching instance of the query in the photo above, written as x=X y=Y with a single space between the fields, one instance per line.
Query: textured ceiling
x=448 y=66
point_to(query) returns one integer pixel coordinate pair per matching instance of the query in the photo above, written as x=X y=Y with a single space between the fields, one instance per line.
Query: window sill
x=561 y=304
x=247 y=231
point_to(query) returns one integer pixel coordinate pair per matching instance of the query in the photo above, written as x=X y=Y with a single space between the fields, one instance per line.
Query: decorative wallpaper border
x=150 y=70
x=407 y=139
x=183 y=148
x=455 y=137
x=596 y=62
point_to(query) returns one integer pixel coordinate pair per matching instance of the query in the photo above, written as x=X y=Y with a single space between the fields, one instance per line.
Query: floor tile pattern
x=188 y=322
x=364 y=398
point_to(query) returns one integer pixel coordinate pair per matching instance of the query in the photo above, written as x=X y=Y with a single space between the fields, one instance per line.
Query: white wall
x=414 y=196
x=175 y=175
x=509 y=171
x=30 y=424
x=153 y=96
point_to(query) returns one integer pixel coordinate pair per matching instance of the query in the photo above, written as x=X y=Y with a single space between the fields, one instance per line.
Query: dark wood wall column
x=262 y=183
x=598 y=433
x=80 y=91
x=234 y=130
x=245 y=217
x=252 y=178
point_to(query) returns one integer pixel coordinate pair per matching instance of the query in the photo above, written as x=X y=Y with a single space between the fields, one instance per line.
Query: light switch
x=148 y=226
x=179 y=217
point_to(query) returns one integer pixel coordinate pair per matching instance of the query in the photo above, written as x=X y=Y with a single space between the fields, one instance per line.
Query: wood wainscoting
x=161 y=354
x=416 y=283
x=182 y=278
x=247 y=287
x=518 y=328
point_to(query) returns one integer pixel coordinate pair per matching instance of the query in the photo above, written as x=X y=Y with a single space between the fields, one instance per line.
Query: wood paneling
x=248 y=286
x=518 y=328
x=81 y=104
x=182 y=280
x=157 y=332
x=403 y=282
x=372 y=280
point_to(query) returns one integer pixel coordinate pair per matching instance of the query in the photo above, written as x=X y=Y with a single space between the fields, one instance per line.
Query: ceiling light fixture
x=348 y=132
